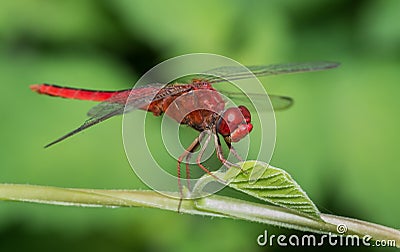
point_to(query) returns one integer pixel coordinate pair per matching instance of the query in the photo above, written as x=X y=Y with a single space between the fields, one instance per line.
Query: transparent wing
x=278 y=102
x=109 y=105
x=137 y=98
x=125 y=101
x=229 y=73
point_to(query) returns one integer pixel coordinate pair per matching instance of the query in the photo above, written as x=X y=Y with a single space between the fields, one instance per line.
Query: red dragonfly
x=203 y=111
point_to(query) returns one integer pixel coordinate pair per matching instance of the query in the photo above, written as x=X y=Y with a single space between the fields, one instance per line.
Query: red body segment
x=199 y=108
x=73 y=93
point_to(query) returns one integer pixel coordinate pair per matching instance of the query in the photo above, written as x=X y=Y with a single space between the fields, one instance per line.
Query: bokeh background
x=340 y=140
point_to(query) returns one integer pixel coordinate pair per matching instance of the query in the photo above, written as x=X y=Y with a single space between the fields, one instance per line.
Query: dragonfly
x=199 y=106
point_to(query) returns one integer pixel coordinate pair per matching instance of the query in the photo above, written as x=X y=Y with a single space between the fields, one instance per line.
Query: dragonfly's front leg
x=220 y=153
x=233 y=151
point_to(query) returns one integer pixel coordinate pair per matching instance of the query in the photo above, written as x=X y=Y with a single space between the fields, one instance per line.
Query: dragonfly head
x=234 y=124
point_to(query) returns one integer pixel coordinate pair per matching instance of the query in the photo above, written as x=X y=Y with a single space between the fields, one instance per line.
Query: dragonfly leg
x=187 y=154
x=233 y=151
x=220 y=154
x=201 y=152
x=187 y=161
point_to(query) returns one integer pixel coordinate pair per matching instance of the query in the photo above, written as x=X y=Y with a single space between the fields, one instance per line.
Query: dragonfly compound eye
x=235 y=122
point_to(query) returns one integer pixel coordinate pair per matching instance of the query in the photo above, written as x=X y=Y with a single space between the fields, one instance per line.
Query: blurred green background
x=339 y=141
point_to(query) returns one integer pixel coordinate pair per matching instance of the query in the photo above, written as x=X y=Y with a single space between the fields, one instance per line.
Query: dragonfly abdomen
x=73 y=93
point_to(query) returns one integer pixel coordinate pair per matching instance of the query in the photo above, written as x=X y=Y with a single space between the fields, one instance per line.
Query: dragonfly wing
x=105 y=108
x=278 y=102
x=125 y=101
x=229 y=73
x=88 y=123
x=138 y=97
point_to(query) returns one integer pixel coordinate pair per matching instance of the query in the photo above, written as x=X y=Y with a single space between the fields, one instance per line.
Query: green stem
x=218 y=206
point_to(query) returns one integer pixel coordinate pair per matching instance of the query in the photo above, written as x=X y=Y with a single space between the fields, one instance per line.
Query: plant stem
x=219 y=206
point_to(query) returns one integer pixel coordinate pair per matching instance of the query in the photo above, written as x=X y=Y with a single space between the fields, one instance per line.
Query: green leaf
x=267 y=183
x=273 y=185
